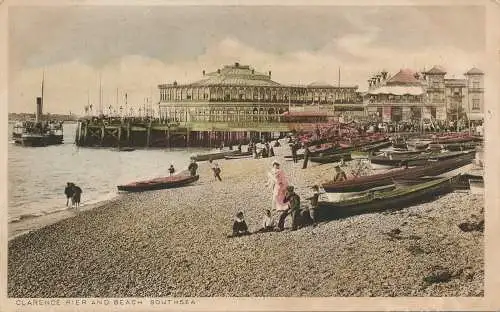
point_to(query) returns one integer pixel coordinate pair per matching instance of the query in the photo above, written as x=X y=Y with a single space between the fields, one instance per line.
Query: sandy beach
x=173 y=243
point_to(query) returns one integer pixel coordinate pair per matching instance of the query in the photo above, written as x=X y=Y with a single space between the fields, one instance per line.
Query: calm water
x=38 y=175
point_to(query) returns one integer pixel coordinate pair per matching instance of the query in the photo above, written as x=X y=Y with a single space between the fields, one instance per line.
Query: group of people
x=73 y=194
x=264 y=151
x=285 y=202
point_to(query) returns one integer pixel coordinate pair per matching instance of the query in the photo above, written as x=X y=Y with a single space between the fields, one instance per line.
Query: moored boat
x=330 y=158
x=366 y=182
x=158 y=183
x=396 y=198
x=213 y=155
x=239 y=156
x=415 y=160
x=126 y=149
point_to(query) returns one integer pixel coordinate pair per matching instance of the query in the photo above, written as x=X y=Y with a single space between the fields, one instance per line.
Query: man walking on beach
x=216 y=169
x=68 y=191
x=77 y=193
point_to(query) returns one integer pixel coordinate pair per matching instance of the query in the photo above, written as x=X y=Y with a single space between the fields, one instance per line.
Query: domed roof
x=236 y=75
x=436 y=70
x=319 y=84
x=474 y=71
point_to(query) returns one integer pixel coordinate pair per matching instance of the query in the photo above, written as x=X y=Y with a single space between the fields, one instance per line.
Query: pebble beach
x=173 y=243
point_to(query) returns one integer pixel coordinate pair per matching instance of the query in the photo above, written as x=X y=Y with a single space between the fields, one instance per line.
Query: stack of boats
x=393 y=189
x=422 y=173
x=324 y=152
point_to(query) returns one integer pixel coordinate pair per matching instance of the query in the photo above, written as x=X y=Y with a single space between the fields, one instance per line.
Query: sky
x=132 y=49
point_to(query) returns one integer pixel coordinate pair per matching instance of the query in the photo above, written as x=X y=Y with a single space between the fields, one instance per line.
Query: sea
x=37 y=176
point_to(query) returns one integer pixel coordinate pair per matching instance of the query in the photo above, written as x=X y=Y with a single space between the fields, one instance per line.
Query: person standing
x=193 y=167
x=293 y=201
x=293 y=147
x=171 y=170
x=68 y=191
x=278 y=183
x=339 y=174
x=314 y=205
x=215 y=168
x=306 y=156
x=77 y=194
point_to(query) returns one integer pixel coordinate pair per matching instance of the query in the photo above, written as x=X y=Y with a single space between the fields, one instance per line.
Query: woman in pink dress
x=279 y=183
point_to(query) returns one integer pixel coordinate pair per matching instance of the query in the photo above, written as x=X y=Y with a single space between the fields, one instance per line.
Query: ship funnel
x=39 y=108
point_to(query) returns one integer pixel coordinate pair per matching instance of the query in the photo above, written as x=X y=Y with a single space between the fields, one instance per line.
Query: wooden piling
x=148 y=135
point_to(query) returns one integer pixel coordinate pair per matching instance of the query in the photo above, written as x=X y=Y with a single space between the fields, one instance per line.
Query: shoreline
x=25 y=225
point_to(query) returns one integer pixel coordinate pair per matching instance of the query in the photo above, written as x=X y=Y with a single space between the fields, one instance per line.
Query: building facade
x=428 y=95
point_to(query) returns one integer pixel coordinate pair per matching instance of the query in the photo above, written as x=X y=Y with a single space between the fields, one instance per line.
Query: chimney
x=203 y=72
x=39 y=109
x=236 y=64
x=269 y=74
x=218 y=71
x=253 y=71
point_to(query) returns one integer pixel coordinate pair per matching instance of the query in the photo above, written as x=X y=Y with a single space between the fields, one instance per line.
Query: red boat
x=158 y=183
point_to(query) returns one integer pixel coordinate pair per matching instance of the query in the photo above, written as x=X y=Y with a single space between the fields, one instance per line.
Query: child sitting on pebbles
x=267 y=223
x=240 y=227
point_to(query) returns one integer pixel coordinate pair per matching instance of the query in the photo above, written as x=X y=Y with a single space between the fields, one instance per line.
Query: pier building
x=233 y=104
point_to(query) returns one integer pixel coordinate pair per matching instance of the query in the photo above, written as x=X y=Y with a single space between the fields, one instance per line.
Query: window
x=476 y=104
x=476 y=84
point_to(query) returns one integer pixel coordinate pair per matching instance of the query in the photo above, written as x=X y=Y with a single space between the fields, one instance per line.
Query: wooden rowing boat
x=397 y=198
x=126 y=149
x=239 y=156
x=366 y=182
x=330 y=158
x=417 y=160
x=375 y=146
x=158 y=183
x=214 y=155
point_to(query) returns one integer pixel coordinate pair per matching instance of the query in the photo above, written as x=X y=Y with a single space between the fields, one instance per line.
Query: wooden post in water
x=119 y=135
x=128 y=132
x=168 y=136
x=148 y=138
x=103 y=129
x=85 y=133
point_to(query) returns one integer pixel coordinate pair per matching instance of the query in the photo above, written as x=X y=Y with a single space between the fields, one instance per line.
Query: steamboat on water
x=38 y=132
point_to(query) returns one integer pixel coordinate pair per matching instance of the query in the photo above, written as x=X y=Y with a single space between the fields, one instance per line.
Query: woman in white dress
x=278 y=182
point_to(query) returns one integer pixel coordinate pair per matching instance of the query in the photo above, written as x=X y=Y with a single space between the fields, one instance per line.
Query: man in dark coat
x=68 y=191
x=193 y=167
x=77 y=193
x=293 y=201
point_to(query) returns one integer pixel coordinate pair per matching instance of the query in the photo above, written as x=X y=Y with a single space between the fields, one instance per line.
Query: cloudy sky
x=134 y=48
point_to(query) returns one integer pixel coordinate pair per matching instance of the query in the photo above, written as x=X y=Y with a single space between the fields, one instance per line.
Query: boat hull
x=158 y=185
x=39 y=140
x=372 y=203
x=213 y=156
x=326 y=159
